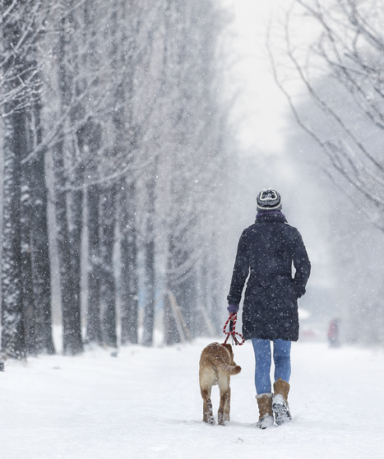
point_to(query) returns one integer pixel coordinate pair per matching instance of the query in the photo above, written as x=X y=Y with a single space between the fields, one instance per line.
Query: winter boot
x=280 y=402
x=265 y=410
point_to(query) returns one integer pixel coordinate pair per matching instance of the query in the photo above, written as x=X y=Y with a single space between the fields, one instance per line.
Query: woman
x=266 y=252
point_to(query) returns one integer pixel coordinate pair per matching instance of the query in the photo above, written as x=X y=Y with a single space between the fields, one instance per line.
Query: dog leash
x=231 y=331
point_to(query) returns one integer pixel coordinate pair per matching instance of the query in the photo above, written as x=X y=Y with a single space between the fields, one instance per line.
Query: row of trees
x=342 y=110
x=112 y=120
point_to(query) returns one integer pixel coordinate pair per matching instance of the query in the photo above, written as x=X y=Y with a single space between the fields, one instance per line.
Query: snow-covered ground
x=145 y=403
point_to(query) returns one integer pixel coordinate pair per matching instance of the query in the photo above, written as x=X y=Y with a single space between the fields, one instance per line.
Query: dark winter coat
x=265 y=252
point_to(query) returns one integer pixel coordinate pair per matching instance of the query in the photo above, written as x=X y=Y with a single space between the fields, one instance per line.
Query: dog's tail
x=225 y=367
x=232 y=369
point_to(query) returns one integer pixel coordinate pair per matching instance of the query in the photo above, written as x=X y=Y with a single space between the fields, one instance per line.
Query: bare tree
x=123 y=98
x=194 y=153
x=342 y=109
x=26 y=295
x=347 y=56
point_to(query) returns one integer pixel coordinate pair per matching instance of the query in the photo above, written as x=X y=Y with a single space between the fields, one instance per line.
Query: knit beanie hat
x=268 y=199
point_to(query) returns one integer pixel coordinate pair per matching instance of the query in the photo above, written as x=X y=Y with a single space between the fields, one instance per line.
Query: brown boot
x=280 y=404
x=264 y=402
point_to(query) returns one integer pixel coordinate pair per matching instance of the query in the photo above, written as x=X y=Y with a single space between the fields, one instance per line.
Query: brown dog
x=216 y=366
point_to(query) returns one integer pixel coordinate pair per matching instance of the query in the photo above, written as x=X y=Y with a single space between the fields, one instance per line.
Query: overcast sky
x=266 y=104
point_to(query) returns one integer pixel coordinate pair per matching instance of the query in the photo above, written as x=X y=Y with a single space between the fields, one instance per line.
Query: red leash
x=232 y=318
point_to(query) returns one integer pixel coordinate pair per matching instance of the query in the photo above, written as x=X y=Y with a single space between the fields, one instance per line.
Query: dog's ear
x=229 y=347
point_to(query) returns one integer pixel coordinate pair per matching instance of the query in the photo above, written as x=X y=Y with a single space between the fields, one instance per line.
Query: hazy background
x=147 y=143
x=343 y=246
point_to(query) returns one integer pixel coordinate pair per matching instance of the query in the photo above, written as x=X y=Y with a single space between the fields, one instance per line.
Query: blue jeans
x=281 y=358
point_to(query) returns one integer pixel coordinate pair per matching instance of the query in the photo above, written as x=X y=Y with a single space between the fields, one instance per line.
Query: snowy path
x=146 y=404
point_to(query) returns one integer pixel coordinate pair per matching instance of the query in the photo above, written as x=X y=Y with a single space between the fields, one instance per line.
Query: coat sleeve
x=240 y=271
x=302 y=265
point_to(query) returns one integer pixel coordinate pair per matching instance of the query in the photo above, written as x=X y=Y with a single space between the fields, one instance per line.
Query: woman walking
x=265 y=253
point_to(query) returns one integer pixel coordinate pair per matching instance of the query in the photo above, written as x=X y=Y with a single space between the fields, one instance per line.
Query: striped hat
x=268 y=199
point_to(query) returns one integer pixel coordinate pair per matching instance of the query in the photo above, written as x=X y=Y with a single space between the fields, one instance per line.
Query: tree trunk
x=12 y=336
x=41 y=261
x=149 y=309
x=29 y=310
x=23 y=115
x=171 y=334
x=75 y=235
x=72 y=338
x=41 y=266
x=186 y=296
x=94 y=334
x=107 y=278
x=129 y=281
x=215 y=310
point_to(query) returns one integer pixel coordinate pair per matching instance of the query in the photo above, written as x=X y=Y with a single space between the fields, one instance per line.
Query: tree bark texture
x=129 y=280
x=72 y=338
x=107 y=274
x=171 y=334
x=29 y=312
x=12 y=336
x=40 y=258
x=150 y=269
x=186 y=296
x=76 y=198
x=39 y=239
x=94 y=334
